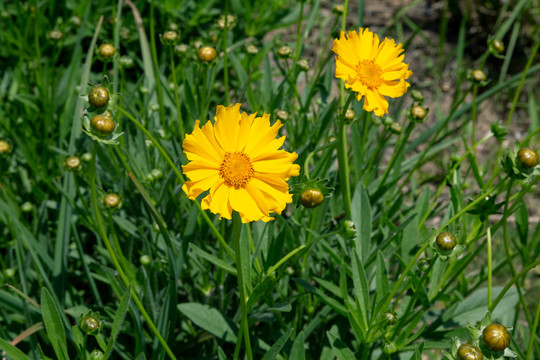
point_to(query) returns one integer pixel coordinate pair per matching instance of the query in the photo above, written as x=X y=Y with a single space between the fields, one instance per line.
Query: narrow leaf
x=274 y=350
x=298 y=351
x=11 y=351
x=118 y=320
x=211 y=320
x=341 y=350
x=53 y=324
x=361 y=215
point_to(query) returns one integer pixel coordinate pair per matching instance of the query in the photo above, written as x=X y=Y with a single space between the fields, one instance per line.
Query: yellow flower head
x=372 y=68
x=239 y=160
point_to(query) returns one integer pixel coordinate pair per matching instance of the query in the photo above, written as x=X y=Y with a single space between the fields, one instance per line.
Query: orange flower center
x=369 y=74
x=236 y=169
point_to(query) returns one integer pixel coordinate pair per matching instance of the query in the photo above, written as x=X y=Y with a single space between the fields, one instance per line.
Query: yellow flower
x=372 y=68
x=239 y=160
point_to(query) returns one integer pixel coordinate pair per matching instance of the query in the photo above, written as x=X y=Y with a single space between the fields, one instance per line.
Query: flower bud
x=111 y=200
x=528 y=158
x=446 y=241
x=89 y=323
x=181 y=49
x=303 y=64
x=395 y=128
x=496 y=337
x=145 y=259
x=469 y=352
x=282 y=115
x=390 y=317
x=338 y=9
x=311 y=197
x=499 y=131
x=156 y=174
x=96 y=354
x=350 y=228
x=252 y=49
x=349 y=115
x=124 y=33
x=284 y=52
x=231 y=21
x=388 y=121
x=102 y=125
x=106 y=51
x=418 y=113
x=126 y=61
x=170 y=37
x=98 y=97
x=55 y=35
x=478 y=76
x=390 y=348
x=75 y=20
x=417 y=95
x=73 y=163
x=207 y=54
x=86 y=157
x=197 y=44
x=27 y=207
x=9 y=273
x=174 y=26
x=5 y=147
x=497 y=45
x=423 y=264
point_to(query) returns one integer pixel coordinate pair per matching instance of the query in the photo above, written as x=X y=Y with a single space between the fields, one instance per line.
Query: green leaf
x=53 y=324
x=221 y=354
x=341 y=350
x=13 y=352
x=361 y=215
x=473 y=308
x=214 y=260
x=381 y=278
x=298 y=351
x=361 y=290
x=274 y=350
x=410 y=241
x=245 y=253
x=211 y=320
x=118 y=320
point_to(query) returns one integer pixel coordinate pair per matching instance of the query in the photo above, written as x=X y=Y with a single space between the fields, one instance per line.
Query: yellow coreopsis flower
x=239 y=160
x=372 y=68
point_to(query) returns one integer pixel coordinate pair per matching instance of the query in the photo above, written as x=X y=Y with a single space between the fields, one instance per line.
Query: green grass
x=166 y=276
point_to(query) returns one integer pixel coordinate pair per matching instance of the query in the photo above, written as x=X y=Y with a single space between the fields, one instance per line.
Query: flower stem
x=343 y=160
x=112 y=254
x=489 y=263
x=225 y=57
x=243 y=310
x=176 y=98
x=180 y=177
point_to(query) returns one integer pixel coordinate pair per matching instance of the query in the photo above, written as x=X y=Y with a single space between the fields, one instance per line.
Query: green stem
x=523 y=77
x=176 y=97
x=396 y=153
x=506 y=214
x=155 y=64
x=244 y=324
x=225 y=57
x=180 y=177
x=511 y=282
x=489 y=256
x=341 y=84
x=112 y=254
x=532 y=331
x=343 y=159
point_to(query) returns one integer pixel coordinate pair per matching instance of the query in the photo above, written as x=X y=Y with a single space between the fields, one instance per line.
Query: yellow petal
x=245 y=205
x=227 y=124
